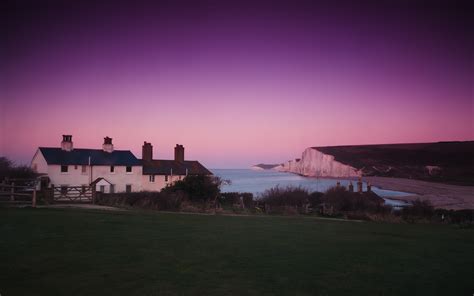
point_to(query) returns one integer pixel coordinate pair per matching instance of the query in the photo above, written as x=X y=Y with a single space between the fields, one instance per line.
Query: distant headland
x=263 y=166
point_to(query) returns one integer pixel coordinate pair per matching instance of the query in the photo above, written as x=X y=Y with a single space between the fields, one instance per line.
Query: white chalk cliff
x=314 y=163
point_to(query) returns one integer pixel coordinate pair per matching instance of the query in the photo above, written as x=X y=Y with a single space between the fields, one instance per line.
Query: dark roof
x=81 y=157
x=164 y=167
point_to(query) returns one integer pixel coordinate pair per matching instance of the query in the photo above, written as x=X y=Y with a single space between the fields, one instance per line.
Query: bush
x=196 y=187
x=342 y=200
x=231 y=198
x=419 y=209
x=451 y=216
x=279 y=200
x=315 y=199
x=144 y=200
x=9 y=170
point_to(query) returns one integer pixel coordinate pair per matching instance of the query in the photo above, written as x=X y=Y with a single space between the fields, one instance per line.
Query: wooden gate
x=83 y=194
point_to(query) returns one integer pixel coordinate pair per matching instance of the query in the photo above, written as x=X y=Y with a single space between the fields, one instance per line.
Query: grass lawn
x=79 y=252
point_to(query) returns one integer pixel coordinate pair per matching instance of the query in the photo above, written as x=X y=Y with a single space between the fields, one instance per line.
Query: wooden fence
x=21 y=191
x=18 y=192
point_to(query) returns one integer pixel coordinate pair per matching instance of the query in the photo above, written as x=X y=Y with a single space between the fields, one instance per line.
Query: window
x=128 y=169
x=112 y=188
x=152 y=178
x=35 y=167
x=64 y=169
x=83 y=189
x=112 y=169
x=84 y=169
x=102 y=188
x=128 y=188
x=75 y=167
x=166 y=178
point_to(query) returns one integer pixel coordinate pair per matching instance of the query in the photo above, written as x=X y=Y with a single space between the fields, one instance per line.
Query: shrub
x=451 y=216
x=230 y=198
x=9 y=170
x=315 y=198
x=419 y=209
x=144 y=200
x=196 y=187
x=278 y=200
x=340 y=199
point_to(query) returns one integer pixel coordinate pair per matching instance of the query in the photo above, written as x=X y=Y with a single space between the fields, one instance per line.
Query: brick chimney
x=147 y=151
x=179 y=153
x=108 y=146
x=66 y=144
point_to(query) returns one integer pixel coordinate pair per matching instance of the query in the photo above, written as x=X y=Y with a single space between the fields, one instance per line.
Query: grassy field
x=78 y=252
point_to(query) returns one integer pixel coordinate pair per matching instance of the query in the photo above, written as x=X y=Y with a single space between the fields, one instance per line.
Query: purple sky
x=236 y=84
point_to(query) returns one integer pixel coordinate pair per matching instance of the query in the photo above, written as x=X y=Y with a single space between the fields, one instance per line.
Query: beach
x=445 y=196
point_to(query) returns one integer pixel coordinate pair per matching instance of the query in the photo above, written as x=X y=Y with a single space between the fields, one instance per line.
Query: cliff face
x=446 y=162
x=317 y=164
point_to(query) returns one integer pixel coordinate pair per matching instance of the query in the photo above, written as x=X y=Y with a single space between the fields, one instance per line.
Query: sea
x=257 y=181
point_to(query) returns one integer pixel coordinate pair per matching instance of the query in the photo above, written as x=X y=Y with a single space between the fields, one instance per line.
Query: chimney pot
x=108 y=146
x=66 y=144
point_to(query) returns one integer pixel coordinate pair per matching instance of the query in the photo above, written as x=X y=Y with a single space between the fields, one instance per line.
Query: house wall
x=159 y=183
x=120 y=178
x=75 y=177
x=38 y=163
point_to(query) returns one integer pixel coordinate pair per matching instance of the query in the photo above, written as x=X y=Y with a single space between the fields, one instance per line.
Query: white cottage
x=118 y=170
x=109 y=170
x=157 y=173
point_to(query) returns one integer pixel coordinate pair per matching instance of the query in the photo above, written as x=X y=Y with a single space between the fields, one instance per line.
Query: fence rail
x=73 y=194
x=11 y=193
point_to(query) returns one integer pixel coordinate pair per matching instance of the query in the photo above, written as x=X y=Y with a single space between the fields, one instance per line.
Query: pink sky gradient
x=234 y=90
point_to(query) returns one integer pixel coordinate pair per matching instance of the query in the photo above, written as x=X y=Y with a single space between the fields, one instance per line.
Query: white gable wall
x=38 y=163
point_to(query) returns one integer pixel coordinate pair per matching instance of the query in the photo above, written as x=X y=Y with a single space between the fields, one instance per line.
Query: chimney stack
x=179 y=153
x=359 y=185
x=351 y=187
x=66 y=144
x=108 y=146
x=147 y=151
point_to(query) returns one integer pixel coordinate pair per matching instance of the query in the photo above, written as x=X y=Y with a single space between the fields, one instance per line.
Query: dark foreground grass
x=77 y=252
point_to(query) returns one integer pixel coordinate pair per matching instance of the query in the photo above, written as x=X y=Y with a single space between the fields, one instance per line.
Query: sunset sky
x=236 y=84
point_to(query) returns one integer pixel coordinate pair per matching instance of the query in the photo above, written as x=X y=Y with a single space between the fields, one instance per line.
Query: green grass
x=78 y=252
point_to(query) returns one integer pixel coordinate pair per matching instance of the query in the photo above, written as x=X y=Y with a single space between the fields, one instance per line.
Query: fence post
x=12 y=192
x=33 y=201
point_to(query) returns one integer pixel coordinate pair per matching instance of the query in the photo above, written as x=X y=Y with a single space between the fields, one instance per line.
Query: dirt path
x=451 y=197
x=81 y=206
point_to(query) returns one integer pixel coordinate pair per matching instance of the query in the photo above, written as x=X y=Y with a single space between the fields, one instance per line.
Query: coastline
x=444 y=196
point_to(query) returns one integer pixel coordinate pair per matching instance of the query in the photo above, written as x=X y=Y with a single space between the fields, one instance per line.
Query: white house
x=110 y=170
x=157 y=173
x=67 y=166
